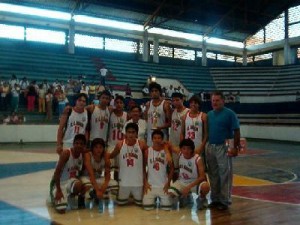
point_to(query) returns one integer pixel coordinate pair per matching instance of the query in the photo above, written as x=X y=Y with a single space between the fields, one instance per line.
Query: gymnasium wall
x=47 y=133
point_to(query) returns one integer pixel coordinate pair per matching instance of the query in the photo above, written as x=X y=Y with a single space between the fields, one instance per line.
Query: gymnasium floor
x=266 y=191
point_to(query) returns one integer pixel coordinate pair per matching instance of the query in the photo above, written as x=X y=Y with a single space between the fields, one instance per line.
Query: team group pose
x=155 y=159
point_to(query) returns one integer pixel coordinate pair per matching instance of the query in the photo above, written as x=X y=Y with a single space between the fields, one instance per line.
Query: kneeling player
x=191 y=175
x=66 y=185
x=160 y=171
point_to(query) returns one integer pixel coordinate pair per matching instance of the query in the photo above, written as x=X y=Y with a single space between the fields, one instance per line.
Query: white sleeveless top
x=116 y=125
x=99 y=123
x=188 y=169
x=175 y=129
x=77 y=123
x=98 y=167
x=193 y=128
x=131 y=165
x=156 y=118
x=157 y=167
x=72 y=168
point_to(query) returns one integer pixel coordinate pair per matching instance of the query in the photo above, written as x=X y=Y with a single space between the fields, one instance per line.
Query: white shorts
x=113 y=184
x=177 y=187
x=124 y=193
x=150 y=197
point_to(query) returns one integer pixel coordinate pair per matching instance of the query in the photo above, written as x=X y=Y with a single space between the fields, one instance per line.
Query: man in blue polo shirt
x=223 y=124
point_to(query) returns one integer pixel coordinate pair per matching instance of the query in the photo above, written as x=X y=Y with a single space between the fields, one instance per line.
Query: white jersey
x=72 y=168
x=116 y=124
x=193 y=128
x=131 y=165
x=156 y=118
x=188 y=169
x=98 y=167
x=157 y=167
x=99 y=123
x=77 y=124
x=175 y=129
x=142 y=128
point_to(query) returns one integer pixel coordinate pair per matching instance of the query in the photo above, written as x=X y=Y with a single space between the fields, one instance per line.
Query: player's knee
x=77 y=187
x=204 y=188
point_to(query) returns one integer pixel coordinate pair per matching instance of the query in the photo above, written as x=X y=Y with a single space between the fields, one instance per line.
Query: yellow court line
x=249 y=181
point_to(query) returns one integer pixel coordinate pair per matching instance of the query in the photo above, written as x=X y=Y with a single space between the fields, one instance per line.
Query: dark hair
x=105 y=92
x=189 y=143
x=120 y=97
x=132 y=126
x=218 y=93
x=80 y=137
x=98 y=141
x=177 y=95
x=82 y=95
x=158 y=132
x=135 y=107
x=195 y=98
x=155 y=85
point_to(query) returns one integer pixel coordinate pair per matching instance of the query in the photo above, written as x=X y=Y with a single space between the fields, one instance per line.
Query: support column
x=204 y=50
x=71 y=44
x=155 y=49
x=145 y=47
x=245 y=57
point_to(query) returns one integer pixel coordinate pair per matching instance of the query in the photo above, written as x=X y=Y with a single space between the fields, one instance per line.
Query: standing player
x=194 y=125
x=176 y=126
x=158 y=113
x=66 y=183
x=100 y=117
x=135 y=114
x=130 y=153
x=191 y=175
x=159 y=173
x=116 y=123
x=73 y=121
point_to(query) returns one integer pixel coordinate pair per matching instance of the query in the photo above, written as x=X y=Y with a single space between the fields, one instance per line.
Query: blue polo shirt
x=221 y=125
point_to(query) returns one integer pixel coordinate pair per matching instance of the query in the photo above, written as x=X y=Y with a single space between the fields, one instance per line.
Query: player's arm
x=146 y=111
x=63 y=158
x=89 y=168
x=116 y=150
x=144 y=149
x=170 y=176
x=106 y=173
x=201 y=177
x=182 y=133
x=237 y=137
x=168 y=113
x=61 y=127
x=205 y=135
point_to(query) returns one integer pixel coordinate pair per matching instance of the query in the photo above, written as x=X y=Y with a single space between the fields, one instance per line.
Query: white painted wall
x=47 y=133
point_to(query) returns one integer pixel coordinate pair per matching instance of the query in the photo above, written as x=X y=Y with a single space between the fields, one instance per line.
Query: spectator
x=13 y=80
x=103 y=72
x=49 y=100
x=92 y=91
x=42 y=94
x=4 y=94
x=24 y=83
x=62 y=100
x=128 y=91
x=170 y=91
x=31 y=95
x=15 y=91
x=14 y=119
x=6 y=119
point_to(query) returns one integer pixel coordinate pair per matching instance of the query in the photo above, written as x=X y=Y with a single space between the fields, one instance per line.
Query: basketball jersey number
x=156 y=166
x=130 y=162
x=185 y=176
x=117 y=135
x=191 y=135
x=76 y=129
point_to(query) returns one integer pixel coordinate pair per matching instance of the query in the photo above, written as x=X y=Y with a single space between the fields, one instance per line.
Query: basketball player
x=192 y=177
x=159 y=173
x=66 y=183
x=100 y=117
x=73 y=121
x=130 y=153
x=158 y=113
x=95 y=162
x=135 y=114
x=177 y=116
x=116 y=123
x=194 y=125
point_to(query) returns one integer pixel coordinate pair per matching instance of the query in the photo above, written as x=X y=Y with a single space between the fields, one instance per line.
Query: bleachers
x=258 y=81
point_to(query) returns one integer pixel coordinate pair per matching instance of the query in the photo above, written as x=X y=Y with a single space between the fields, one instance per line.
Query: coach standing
x=223 y=124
